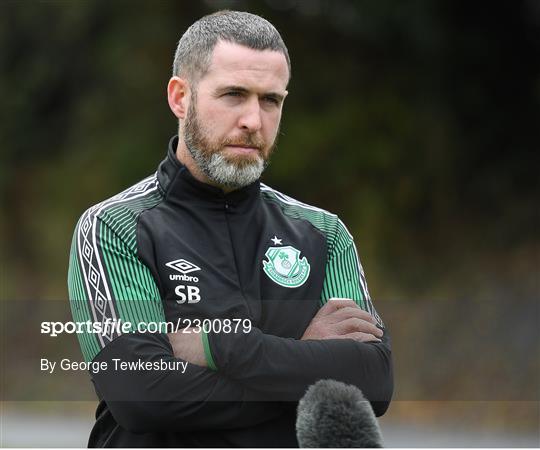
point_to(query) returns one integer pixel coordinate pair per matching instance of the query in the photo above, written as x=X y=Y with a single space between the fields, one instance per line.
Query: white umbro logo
x=185 y=292
x=183 y=266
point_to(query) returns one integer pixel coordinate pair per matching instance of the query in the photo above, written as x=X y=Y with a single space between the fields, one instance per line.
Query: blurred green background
x=417 y=122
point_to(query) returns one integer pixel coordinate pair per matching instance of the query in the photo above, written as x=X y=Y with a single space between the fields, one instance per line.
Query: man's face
x=234 y=113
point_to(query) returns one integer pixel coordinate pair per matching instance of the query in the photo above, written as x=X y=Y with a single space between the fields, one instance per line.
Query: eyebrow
x=243 y=90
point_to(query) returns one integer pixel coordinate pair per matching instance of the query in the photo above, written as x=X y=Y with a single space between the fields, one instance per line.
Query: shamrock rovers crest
x=285 y=267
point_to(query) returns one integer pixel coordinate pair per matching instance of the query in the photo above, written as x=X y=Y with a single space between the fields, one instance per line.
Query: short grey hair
x=194 y=51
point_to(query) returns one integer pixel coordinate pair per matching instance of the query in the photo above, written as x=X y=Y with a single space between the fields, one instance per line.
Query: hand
x=187 y=345
x=343 y=319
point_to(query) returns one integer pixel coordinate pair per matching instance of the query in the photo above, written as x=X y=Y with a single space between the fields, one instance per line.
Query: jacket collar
x=179 y=185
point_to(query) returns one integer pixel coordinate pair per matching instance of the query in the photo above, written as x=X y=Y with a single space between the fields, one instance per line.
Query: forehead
x=236 y=64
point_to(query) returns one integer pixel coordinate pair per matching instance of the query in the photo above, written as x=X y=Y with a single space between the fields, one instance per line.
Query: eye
x=271 y=100
x=233 y=94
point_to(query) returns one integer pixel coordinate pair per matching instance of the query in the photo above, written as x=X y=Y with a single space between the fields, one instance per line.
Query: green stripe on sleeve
x=134 y=290
x=207 y=352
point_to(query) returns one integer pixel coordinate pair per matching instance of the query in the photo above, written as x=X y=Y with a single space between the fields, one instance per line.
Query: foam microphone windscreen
x=335 y=414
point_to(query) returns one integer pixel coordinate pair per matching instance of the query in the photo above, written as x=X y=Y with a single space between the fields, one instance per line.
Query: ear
x=177 y=95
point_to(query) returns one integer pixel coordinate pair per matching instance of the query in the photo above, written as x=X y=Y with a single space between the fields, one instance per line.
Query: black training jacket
x=248 y=270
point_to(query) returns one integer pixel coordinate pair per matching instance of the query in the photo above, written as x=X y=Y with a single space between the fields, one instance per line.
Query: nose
x=250 y=120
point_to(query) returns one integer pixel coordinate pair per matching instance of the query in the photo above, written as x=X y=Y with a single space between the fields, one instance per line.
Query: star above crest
x=276 y=240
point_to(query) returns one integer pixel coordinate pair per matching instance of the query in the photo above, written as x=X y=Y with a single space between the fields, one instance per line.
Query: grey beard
x=225 y=173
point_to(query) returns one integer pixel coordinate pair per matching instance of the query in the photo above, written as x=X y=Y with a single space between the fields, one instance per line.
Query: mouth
x=242 y=149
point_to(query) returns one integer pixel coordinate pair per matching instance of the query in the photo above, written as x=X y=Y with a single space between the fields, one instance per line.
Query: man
x=248 y=271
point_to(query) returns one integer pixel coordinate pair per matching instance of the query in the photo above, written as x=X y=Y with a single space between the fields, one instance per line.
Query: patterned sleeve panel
x=107 y=282
x=345 y=276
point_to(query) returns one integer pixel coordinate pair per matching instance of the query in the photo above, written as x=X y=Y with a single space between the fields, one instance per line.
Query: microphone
x=335 y=414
